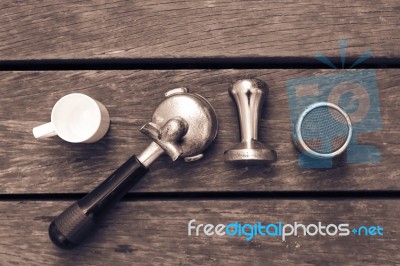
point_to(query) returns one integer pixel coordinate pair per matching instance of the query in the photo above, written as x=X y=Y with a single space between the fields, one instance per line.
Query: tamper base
x=250 y=152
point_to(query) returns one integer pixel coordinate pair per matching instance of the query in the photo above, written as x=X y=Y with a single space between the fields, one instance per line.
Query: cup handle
x=44 y=131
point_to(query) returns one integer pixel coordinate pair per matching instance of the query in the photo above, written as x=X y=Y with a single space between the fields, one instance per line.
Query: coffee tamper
x=183 y=125
x=249 y=95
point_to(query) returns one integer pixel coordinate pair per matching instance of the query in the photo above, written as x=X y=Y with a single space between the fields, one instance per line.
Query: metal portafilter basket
x=323 y=131
x=183 y=125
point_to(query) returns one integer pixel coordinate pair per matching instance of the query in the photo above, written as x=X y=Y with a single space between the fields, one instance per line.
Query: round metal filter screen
x=325 y=129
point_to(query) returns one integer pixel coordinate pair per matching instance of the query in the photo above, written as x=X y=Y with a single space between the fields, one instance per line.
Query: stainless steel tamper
x=249 y=96
x=183 y=125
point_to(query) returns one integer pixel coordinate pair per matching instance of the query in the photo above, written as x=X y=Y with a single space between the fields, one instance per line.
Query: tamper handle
x=249 y=95
x=78 y=220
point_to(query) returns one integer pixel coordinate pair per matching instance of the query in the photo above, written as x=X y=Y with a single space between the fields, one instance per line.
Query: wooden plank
x=156 y=232
x=54 y=166
x=179 y=29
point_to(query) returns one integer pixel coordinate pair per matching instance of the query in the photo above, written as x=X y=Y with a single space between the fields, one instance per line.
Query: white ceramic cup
x=76 y=118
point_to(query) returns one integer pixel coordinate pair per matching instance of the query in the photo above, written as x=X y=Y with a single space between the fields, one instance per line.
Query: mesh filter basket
x=323 y=130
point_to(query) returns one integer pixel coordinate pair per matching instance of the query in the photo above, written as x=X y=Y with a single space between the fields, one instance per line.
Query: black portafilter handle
x=79 y=219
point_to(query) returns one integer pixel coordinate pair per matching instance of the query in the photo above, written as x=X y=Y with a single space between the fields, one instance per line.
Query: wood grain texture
x=28 y=165
x=177 y=29
x=155 y=232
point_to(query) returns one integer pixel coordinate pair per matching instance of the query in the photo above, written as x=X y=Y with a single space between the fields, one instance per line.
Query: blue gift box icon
x=356 y=92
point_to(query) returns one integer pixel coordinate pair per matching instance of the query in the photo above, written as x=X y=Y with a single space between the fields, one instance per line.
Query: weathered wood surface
x=155 y=232
x=178 y=29
x=54 y=166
